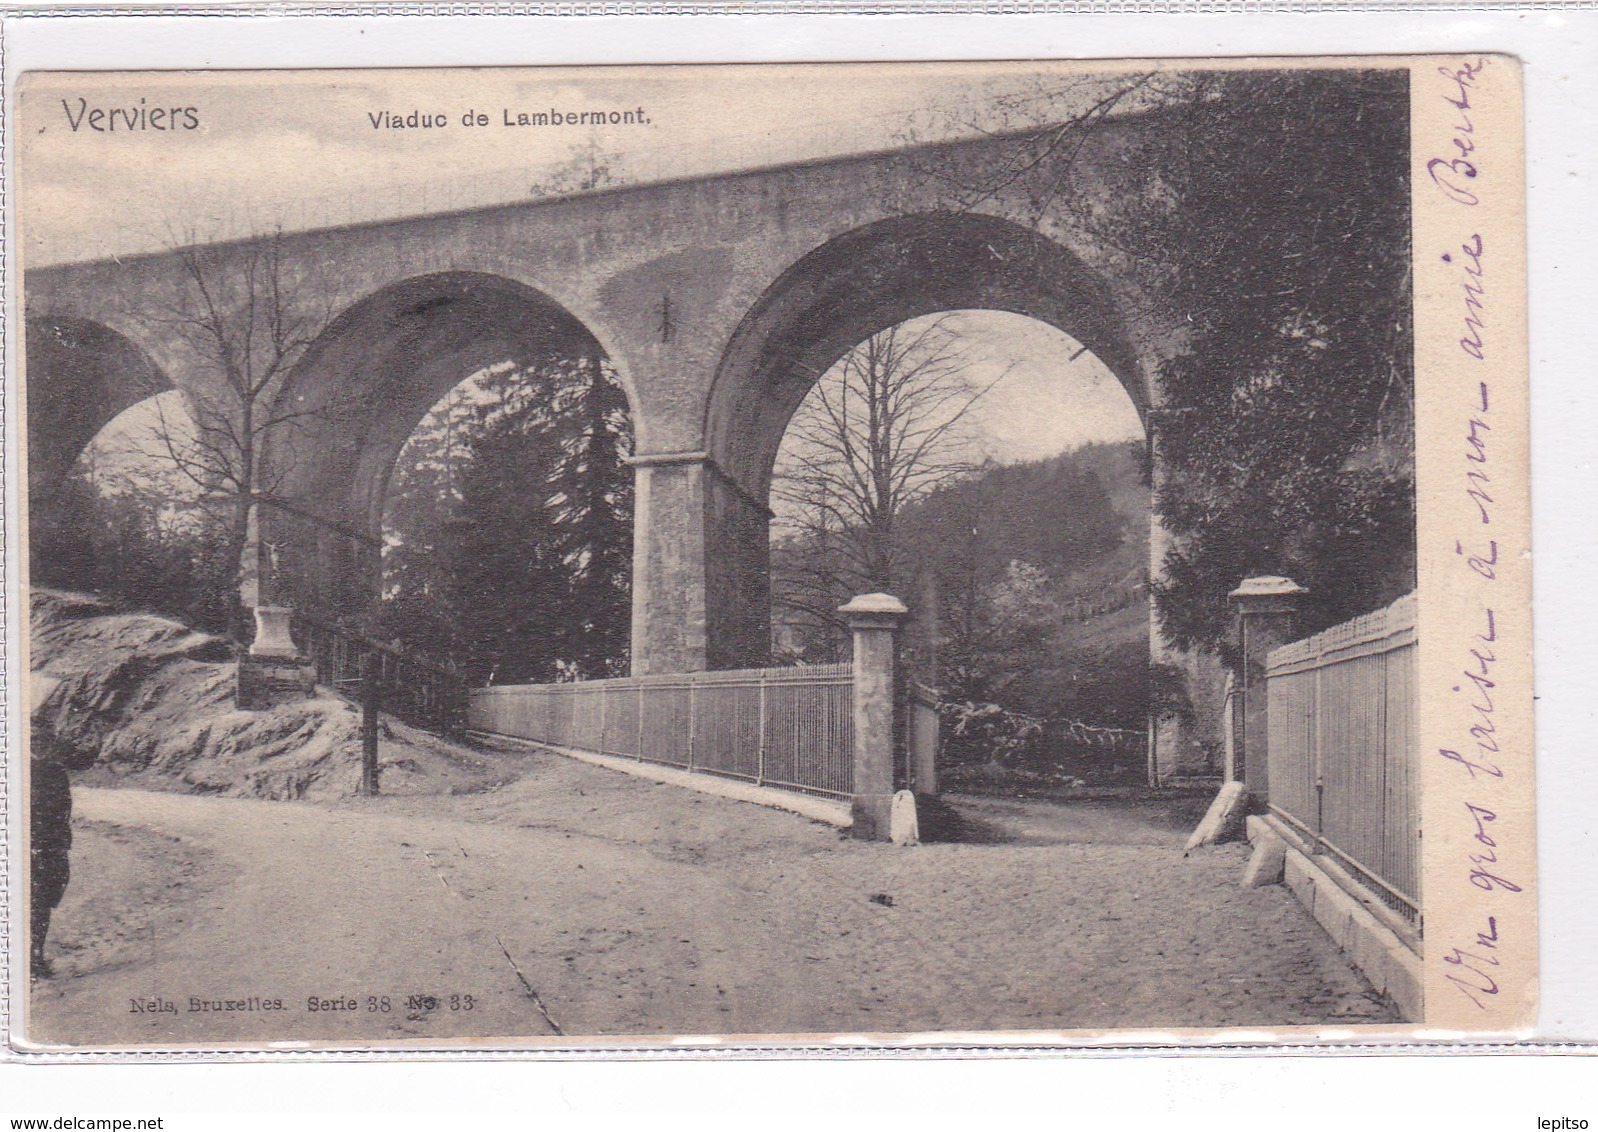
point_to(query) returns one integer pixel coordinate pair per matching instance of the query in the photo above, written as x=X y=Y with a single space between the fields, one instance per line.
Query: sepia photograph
x=933 y=552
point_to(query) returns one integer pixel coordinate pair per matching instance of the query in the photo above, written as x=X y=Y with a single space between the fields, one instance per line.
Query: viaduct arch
x=85 y=375
x=717 y=300
x=357 y=394
x=836 y=296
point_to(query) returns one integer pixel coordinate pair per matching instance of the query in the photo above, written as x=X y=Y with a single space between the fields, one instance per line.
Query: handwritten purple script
x=1475 y=292
x=1475 y=967
x=1453 y=173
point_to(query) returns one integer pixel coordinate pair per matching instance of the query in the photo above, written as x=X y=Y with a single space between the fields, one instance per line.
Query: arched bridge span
x=717 y=300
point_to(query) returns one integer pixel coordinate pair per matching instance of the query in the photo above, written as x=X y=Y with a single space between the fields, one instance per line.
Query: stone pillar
x=1170 y=732
x=1267 y=618
x=875 y=621
x=272 y=637
x=1185 y=736
x=266 y=589
x=273 y=670
x=668 y=563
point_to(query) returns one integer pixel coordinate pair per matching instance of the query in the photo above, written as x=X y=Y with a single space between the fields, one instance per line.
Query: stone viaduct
x=719 y=301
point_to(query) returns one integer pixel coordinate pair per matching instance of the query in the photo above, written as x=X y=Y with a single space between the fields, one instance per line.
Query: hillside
x=153 y=700
x=1066 y=633
x=1036 y=578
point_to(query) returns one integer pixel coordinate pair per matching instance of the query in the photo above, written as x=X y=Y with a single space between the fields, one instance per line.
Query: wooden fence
x=1342 y=759
x=786 y=727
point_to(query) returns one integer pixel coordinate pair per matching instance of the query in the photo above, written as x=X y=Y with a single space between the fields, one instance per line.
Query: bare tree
x=881 y=429
x=245 y=316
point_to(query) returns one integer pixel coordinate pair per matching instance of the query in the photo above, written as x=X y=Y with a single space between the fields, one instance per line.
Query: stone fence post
x=875 y=620
x=1267 y=618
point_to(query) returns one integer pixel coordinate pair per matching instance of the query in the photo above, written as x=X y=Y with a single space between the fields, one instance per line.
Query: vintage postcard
x=1008 y=554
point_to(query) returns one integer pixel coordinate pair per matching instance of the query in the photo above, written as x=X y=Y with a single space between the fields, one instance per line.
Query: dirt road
x=587 y=900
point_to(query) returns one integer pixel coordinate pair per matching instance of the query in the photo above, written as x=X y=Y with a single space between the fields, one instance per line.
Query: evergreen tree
x=509 y=524
x=593 y=493
x=510 y=578
x=421 y=511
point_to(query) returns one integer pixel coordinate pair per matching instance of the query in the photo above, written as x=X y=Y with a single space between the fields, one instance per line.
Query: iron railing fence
x=791 y=728
x=421 y=692
x=1342 y=735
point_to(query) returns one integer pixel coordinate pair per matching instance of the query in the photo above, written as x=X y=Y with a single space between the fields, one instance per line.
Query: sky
x=1045 y=402
x=299 y=147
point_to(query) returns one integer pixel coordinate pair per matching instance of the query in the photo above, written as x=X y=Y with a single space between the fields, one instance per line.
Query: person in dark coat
x=50 y=823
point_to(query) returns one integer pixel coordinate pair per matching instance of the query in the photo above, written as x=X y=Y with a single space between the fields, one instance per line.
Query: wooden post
x=371 y=692
x=875 y=620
